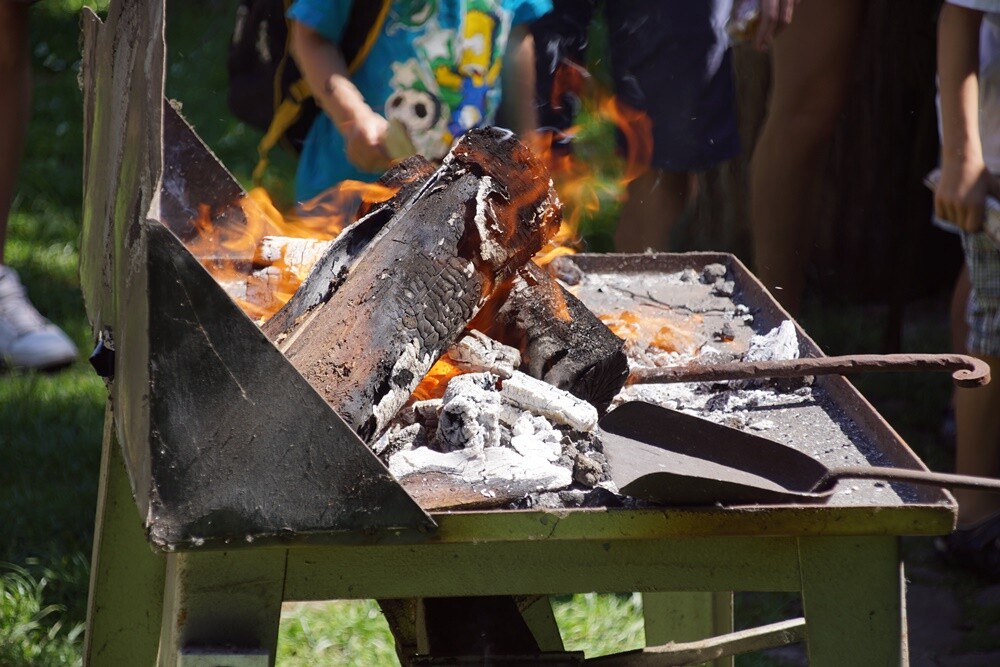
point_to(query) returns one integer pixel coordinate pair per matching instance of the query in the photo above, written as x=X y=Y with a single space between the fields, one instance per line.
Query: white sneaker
x=28 y=340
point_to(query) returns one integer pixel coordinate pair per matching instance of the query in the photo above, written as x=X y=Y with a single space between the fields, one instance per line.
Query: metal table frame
x=147 y=607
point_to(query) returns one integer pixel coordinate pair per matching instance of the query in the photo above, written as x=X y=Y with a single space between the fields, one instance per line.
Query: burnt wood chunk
x=560 y=339
x=414 y=288
x=330 y=271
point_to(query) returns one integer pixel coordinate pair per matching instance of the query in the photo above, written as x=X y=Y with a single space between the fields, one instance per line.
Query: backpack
x=266 y=89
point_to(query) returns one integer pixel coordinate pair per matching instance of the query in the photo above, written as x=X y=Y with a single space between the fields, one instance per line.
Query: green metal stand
x=173 y=609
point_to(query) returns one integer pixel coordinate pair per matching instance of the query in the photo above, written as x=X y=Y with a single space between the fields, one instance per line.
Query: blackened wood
x=332 y=268
x=483 y=214
x=560 y=339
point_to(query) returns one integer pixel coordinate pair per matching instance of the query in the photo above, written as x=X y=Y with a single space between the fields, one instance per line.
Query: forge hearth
x=225 y=439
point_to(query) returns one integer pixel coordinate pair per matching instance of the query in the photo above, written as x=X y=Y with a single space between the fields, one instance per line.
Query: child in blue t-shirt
x=434 y=69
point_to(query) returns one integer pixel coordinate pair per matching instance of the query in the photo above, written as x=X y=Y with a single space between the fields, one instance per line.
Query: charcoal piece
x=560 y=339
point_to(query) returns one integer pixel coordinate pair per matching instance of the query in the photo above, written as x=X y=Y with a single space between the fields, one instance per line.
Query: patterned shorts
x=983 y=310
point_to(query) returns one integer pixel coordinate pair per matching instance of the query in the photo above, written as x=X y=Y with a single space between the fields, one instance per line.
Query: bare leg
x=15 y=102
x=812 y=63
x=977 y=412
x=656 y=199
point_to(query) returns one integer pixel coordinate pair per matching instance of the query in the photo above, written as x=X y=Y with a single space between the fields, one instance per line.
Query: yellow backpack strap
x=284 y=117
x=288 y=111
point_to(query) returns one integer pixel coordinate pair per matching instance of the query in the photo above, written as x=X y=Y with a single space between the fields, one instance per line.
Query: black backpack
x=266 y=89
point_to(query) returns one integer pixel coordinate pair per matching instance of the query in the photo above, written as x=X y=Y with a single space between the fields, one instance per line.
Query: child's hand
x=364 y=139
x=960 y=196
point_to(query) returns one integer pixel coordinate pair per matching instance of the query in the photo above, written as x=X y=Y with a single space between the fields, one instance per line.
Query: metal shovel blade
x=669 y=457
x=672 y=458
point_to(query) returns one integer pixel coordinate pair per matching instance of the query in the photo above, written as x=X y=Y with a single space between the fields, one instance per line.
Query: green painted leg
x=537 y=613
x=687 y=617
x=852 y=593
x=126 y=575
x=228 y=600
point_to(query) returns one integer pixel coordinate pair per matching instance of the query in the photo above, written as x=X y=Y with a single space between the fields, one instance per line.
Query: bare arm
x=961 y=194
x=518 y=79
x=322 y=64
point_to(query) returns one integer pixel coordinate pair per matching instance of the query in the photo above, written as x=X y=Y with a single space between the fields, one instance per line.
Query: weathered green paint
x=687 y=617
x=852 y=593
x=222 y=599
x=543 y=567
x=126 y=575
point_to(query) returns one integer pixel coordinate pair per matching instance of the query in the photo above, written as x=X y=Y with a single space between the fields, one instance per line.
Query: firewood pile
x=474 y=374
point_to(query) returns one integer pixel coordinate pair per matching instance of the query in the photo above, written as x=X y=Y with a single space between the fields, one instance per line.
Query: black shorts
x=669 y=58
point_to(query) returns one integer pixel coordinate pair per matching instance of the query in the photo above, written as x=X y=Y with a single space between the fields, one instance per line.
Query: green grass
x=51 y=426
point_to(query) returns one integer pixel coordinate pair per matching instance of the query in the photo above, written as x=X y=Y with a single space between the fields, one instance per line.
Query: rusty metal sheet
x=224 y=441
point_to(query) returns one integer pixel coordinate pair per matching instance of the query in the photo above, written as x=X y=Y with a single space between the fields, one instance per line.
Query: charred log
x=415 y=287
x=330 y=271
x=560 y=339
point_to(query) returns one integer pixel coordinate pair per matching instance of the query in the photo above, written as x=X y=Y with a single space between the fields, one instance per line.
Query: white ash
x=413 y=358
x=261 y=286
x=719 y=402
x=299 y=254
x=484 y=438
x=236 y=289
x=713 y=272
x=688 y=275
x=530 y=445
x=539 y=397
x=779 y=343
x=494 y=467
x=564 y=269
x=536 y=426
x=724 y=287
x=477 y=352
x=400 y=438
x=470 y=413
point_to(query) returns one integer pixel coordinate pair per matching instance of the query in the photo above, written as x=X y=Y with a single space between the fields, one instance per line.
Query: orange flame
x=436 y=380
x=261 y=284
x=579 y=182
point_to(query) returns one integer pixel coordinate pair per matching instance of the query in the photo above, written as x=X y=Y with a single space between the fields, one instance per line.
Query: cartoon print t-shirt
x=433 y=71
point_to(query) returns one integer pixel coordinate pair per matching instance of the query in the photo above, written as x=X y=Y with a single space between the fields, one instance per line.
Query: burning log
x=414 y=288
x=332 y=268
x=560 y=339
x=296 y=254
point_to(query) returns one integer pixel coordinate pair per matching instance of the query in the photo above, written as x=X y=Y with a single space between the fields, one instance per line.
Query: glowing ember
x=653 y=331
x=436 y=380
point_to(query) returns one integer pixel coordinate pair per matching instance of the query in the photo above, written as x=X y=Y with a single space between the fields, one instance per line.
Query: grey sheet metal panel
x=224 y=441
x=241 y=445
x=122 y=70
